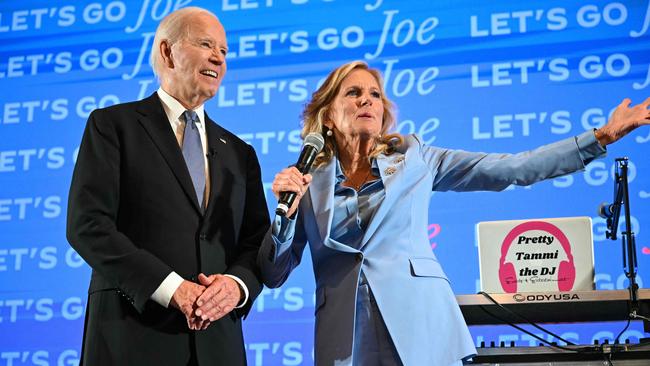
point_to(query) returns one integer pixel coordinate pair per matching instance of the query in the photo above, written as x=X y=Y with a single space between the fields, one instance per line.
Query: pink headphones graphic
x=566 y=274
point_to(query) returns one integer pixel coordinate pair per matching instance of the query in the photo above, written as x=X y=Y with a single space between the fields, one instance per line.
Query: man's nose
x=217 y=57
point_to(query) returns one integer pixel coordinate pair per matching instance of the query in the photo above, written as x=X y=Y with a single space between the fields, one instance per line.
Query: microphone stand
x=622 y=198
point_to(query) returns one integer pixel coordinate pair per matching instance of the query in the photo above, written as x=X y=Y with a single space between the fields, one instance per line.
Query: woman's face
x=357 y=110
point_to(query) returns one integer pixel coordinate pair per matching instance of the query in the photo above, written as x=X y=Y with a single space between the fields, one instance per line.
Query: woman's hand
x=624 y=120
x=291 y=180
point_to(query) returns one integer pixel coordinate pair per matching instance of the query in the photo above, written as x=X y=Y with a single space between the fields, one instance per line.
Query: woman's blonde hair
x=317 y=112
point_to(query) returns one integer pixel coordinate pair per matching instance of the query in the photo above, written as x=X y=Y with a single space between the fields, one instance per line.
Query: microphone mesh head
x=315 y=140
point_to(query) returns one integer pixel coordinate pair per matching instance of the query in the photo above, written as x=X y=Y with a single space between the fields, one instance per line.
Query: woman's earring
x=329 y=133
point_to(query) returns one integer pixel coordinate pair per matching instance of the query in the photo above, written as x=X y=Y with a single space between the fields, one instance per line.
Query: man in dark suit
x=168 y=209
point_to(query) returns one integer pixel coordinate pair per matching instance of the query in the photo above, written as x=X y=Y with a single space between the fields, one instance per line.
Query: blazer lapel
x=321 y=193
x=154 y=121
x=218 y=152
x=391 y=170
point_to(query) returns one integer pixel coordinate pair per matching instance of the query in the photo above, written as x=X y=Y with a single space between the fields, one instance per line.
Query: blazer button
x=359 y=257
x=203 y=236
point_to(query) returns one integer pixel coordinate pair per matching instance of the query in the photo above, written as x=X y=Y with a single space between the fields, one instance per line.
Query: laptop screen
x=536 y=255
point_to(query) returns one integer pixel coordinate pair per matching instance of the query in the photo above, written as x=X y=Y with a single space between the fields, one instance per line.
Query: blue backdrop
x=491 y=76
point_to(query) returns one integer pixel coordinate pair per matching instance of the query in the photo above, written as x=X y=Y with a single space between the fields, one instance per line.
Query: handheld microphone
x=312 y=145
x=606 y=210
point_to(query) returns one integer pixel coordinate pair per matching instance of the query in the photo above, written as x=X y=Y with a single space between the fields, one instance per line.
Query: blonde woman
x=382 y=298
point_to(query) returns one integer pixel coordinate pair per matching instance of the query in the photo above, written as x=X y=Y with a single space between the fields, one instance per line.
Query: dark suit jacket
x=134 y=217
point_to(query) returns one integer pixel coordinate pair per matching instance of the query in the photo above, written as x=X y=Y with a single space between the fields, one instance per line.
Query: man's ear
x=165 y=50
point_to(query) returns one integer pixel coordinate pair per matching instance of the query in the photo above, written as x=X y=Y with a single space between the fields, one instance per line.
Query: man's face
x=197 y=63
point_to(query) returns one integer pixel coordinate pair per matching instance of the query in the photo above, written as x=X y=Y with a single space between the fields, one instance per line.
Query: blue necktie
x=193 y=154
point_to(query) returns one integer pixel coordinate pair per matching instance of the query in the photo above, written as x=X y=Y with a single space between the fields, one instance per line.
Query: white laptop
x=536 y=255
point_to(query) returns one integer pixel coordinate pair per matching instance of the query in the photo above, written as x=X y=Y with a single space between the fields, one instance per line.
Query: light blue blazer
x=411 y=289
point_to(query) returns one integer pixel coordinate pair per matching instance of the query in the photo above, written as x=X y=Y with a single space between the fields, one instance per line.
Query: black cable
x=607 y=356
x=485 y=294
x=587 y=349
x=622 y=331
x=615 y=348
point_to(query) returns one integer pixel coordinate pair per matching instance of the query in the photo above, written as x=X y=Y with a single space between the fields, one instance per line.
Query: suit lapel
x=218 y=154
x=154 y=121
x=321 y=193
x=391 y=170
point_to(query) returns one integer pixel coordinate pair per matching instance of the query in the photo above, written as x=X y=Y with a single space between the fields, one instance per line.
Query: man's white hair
x=173 y=28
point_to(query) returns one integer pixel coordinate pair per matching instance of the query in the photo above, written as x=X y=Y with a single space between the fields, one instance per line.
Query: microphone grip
x=305 y=160
x=285 y=202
